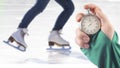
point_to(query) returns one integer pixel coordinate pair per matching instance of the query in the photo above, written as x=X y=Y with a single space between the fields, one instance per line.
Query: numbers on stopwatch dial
x=90 y=24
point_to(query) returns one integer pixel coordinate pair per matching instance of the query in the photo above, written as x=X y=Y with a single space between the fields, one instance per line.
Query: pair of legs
x=40 y=5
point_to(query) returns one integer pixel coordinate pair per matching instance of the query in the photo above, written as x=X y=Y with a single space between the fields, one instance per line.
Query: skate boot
x=56 y=39
x=18 y=38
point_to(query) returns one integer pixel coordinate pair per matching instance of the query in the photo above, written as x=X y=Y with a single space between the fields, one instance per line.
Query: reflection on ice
x=55 y=57
x=58 y=57
x=31 y=60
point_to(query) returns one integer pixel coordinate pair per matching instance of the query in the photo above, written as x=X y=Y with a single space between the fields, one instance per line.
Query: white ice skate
x=18 y=38
x=56 y=39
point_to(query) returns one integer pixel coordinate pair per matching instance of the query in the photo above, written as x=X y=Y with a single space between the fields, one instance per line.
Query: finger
x=81 y=43
x=86 y=46
x=82 y=39
x=92 y=7
x=79 y=17
x=96 y=10
x=82 y=35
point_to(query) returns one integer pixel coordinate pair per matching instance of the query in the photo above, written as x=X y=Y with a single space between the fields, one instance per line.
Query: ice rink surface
x=11 y=13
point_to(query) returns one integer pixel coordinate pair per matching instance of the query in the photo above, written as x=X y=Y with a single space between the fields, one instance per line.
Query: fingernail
x=86 y=45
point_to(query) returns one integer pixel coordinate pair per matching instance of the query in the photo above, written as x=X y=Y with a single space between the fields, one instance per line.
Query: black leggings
x=41 y=5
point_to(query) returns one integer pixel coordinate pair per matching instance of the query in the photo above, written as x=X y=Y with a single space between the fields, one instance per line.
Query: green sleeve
x=103 y=52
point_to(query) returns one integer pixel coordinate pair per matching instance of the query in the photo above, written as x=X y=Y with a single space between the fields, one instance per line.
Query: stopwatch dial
x=90 y=24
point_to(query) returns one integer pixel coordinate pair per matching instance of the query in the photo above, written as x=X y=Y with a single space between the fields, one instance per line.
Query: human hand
x=83 y=39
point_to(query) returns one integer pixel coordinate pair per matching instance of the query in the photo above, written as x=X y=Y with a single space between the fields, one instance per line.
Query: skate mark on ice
x=32 y=60
x=78 y=55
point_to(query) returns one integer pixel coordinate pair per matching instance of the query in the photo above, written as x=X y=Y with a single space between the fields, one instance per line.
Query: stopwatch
x=90 y=23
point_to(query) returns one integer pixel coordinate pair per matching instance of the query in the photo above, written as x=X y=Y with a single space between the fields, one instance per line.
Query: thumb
x=101 y=15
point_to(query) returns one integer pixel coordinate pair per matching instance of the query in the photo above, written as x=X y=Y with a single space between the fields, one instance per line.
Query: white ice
x=11 y=13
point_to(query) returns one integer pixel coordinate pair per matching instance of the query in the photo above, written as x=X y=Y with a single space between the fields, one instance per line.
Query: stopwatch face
x=90 y=24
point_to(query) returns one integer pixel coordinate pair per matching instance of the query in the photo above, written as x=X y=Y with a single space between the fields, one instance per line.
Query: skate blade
x=20 y=48
x=59 y=49
x=62 y=51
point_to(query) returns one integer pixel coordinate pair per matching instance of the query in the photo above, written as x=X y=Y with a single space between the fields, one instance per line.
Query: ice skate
x=56 y=42
x=18 y=38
